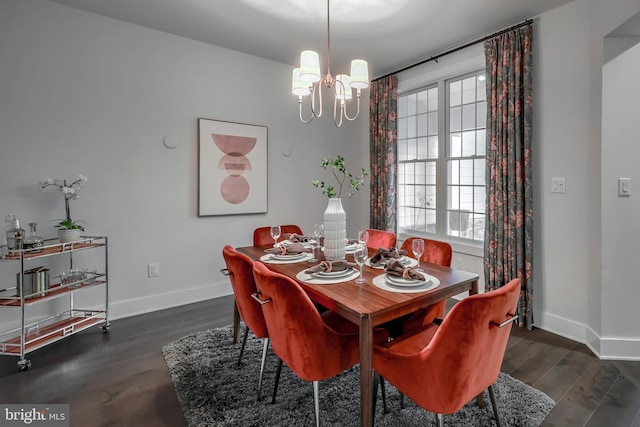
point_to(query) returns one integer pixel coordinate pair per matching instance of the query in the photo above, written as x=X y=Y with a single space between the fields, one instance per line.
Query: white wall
x=80 y=93
x=620 y=228
x=574 y=295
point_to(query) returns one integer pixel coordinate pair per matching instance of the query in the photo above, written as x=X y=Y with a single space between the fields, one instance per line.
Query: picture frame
x=232 y=168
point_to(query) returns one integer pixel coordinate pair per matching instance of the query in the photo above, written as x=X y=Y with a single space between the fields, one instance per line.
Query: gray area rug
x=214 y=391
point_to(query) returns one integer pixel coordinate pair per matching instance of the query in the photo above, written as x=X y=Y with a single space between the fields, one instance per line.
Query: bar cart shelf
x=32 y=335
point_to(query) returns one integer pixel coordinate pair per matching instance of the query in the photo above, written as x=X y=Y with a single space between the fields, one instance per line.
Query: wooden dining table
x=369 y=306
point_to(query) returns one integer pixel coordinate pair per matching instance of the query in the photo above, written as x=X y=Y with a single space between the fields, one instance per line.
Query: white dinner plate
x=288 y=257
x=399 y=281
x=333 y=274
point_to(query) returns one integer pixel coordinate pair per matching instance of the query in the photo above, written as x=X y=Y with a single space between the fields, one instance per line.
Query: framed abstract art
x=232 y=168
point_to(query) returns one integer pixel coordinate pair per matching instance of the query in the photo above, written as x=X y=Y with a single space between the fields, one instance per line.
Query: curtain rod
x=455 y=49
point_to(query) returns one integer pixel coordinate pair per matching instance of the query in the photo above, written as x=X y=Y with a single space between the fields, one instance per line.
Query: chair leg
x=236 y=321
x=376 y=380
x=244 y=342
x=439 y=420
x=316 y=402
x=275 y=386
x=265 y=347
x=385 y=410
x=401 y=400
x=492 y=395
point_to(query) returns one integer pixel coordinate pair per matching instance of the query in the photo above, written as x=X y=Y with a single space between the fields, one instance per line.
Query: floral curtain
x=383 y=135
x=508 y=245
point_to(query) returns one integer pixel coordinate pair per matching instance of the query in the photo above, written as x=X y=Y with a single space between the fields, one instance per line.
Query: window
x=441 y=158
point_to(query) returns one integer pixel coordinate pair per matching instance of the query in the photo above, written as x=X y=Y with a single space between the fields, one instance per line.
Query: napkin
x=290 y=249
x=329 y=266
x=395 y=268
x=383 y=255
x=296 y=238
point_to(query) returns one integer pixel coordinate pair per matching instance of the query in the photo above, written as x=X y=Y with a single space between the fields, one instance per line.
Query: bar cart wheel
x=24 y=364
x=106 y=327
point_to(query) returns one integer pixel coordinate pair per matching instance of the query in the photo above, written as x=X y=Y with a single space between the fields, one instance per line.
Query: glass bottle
x=15 y=234
x=33 y=242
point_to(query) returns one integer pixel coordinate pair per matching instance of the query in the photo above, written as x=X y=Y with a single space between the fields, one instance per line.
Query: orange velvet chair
x=443 y=367
x=435 y=252
x=262 y=235
x=381 y=239
x=240 y=269
x=314 y=346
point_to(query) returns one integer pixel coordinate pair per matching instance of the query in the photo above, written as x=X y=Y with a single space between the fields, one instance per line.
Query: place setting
x=286 y=254
x=400 y=278
x=328 y=272
x=383 y=256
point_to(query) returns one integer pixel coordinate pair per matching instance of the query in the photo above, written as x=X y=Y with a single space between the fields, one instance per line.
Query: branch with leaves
x=339 y=170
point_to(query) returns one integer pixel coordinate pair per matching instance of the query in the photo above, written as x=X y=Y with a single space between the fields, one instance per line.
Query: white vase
x=66 y=236
x=335 y=230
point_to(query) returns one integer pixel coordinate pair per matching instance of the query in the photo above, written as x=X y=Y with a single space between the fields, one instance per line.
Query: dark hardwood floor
x=120 y=378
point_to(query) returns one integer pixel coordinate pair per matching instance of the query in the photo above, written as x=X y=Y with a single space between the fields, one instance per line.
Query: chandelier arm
x=317 y=87
x=357 y=109
x=337 y=122
x=300 y=108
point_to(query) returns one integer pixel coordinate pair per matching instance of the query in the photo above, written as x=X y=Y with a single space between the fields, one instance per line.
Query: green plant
x=339 y=171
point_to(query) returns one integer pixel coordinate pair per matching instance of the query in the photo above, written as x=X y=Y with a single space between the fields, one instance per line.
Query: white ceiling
x=389 y=34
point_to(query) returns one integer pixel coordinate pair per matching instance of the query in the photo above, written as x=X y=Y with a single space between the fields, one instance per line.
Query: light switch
x=624 y=187
x=557 y=185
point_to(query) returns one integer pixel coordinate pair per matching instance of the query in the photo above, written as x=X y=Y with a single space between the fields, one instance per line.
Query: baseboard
x=134 y=307
x=605 y=348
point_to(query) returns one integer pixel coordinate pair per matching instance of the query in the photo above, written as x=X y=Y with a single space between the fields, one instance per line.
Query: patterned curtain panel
x=508 y=245
x=383 y=135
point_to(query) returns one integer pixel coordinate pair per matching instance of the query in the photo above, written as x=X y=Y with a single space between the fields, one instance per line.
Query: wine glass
x=363 y=237
x=417 y=247
x=275 y=233
x=360 y=256
x=318 y=230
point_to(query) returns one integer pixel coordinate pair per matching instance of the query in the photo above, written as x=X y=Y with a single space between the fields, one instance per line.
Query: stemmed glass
x=417 y=247
x=275 y=233
x=318 y=230
x=363 y=237
x=360 y=256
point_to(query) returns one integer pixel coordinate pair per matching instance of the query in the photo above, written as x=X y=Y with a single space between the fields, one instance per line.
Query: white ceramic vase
x=335 y=230
x=66 y=236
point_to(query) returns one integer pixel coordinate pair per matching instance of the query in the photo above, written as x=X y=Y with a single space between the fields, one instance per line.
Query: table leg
x=366 y=370
x=236 y=321
x=473 y=291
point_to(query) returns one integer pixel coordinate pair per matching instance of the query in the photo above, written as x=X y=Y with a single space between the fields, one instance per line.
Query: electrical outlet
x=153 y=270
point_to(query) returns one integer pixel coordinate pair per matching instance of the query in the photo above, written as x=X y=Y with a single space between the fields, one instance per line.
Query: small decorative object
x=335 y=224
x=33 y=242
x=68 y=229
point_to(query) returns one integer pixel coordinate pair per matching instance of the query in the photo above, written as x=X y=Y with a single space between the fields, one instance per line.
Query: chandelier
x=307 y=81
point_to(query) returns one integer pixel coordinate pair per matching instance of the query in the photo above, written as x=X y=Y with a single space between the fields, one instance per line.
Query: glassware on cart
x=15 y=234
x=33 y=242
x=360 y=256
x=275 y=233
